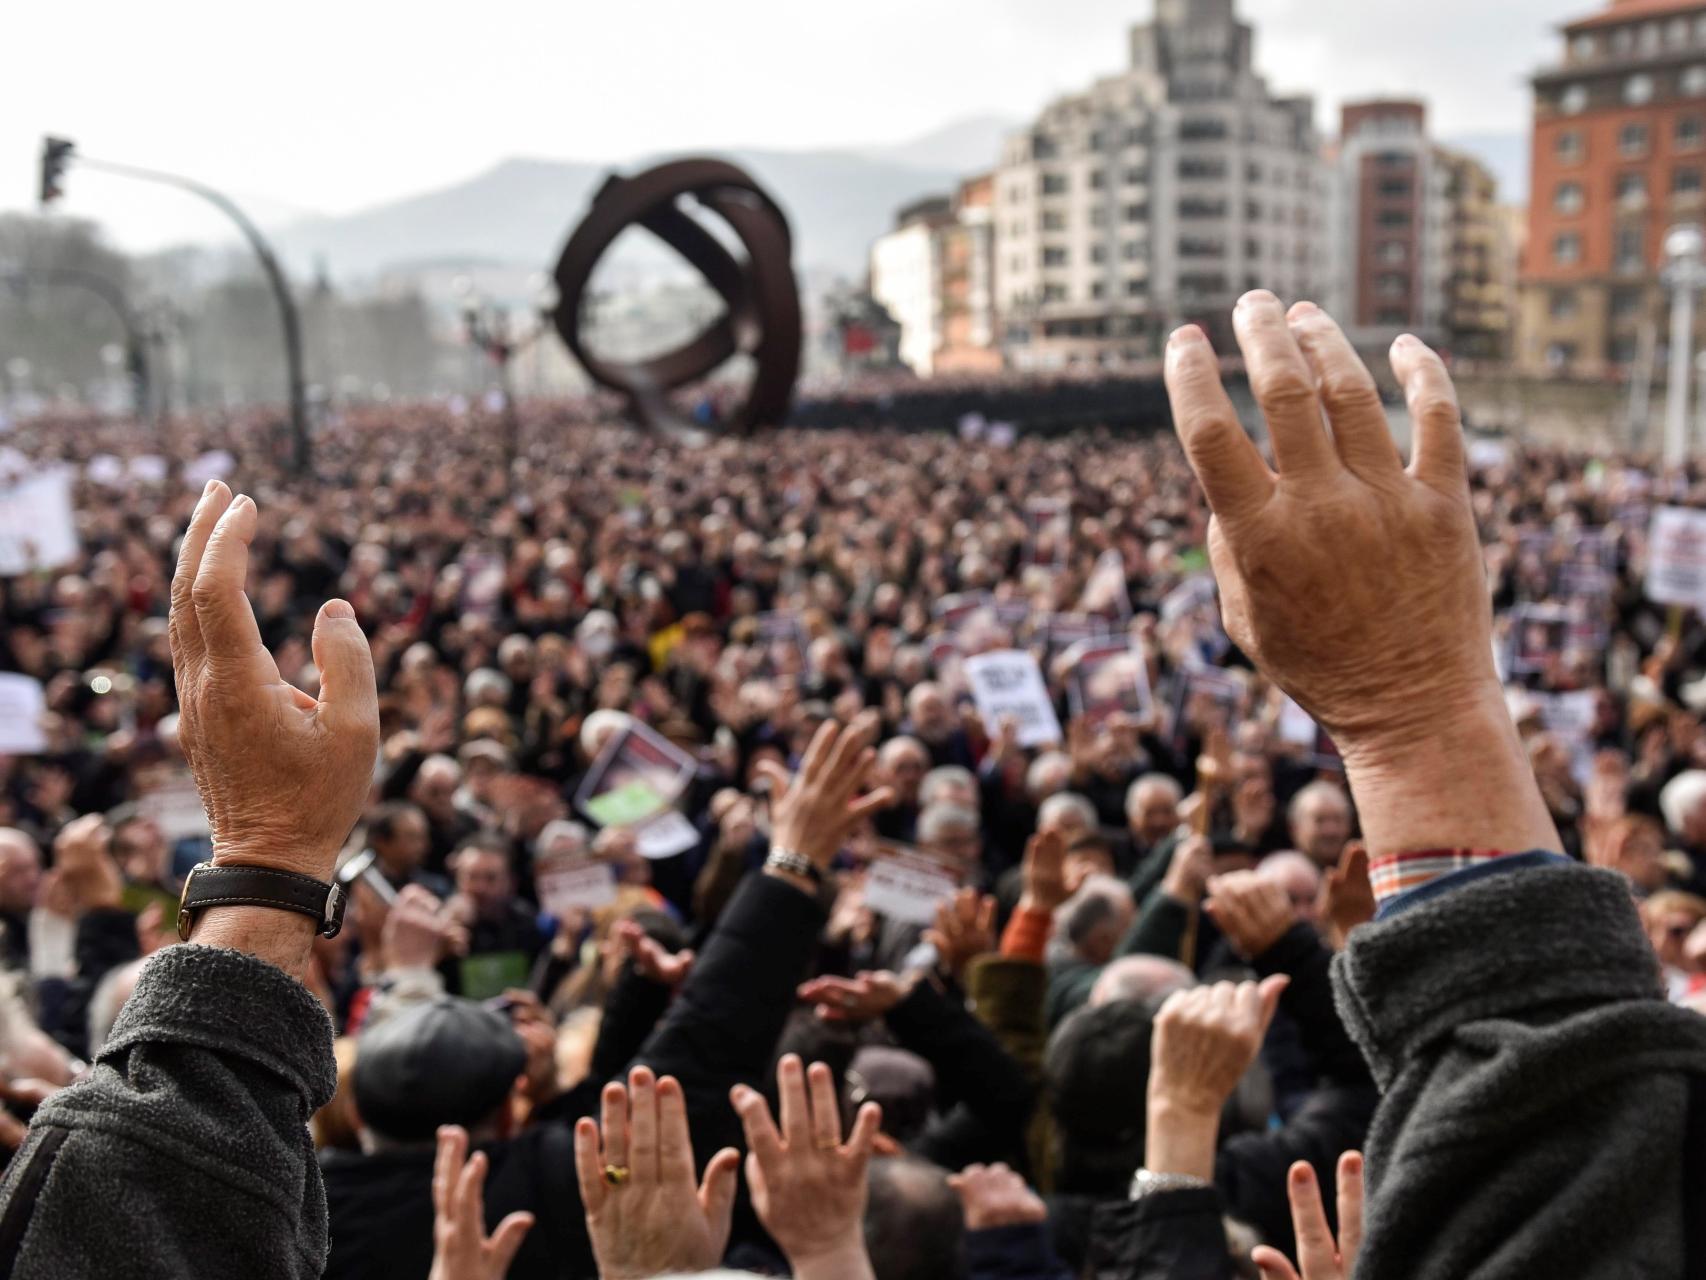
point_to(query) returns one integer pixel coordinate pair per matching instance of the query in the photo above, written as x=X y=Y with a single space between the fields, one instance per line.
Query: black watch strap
x=214 y=886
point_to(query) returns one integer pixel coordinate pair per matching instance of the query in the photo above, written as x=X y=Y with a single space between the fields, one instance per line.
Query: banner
x=21 y=707
x=1009 y=684
x=1676 y=557
x=639 y=775
x=1108 y=679
x=907 y=884
x=37 y=527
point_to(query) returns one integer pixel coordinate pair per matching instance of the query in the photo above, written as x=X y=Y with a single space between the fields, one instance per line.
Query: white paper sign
x=1676 y=557
x=214 y=465
x=583 y=884
x=150 y=468
x=1296 y=726
x=21 y=708
x=105 y=470
x=906 y=886
x=665 y=836
x=176 y=810
x=1485 y=454
x=37 y=528
x=1009 y=683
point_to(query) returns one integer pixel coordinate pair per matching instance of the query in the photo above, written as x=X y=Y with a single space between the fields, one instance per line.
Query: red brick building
x=1619 y=157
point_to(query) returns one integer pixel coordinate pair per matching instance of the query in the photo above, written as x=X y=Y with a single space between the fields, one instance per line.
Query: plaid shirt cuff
x=1392 y=874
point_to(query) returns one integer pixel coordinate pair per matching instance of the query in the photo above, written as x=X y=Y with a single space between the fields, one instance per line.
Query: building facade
x=935 y=274
x=1619 y=157
x=1155 y=197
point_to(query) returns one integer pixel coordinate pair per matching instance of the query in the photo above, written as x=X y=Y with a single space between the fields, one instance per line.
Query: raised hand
x=965 y=929
x=1251 y=910
x=1354 y=583
x=1044 y=872
x=645 y=1212
x=862 y=999
x=1347 y=896
x=413 y=936
x=283 y=776
x=821 y=807
x=1322 y=1257
x=994 y=1196
x=651 y=961
x=82 y=856
x=1188 y=870
x=808 y=1187
x=461 y=1248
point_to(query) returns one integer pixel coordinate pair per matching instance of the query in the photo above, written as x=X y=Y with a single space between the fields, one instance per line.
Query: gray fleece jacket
x=186 y=1152
x=1544 y=1109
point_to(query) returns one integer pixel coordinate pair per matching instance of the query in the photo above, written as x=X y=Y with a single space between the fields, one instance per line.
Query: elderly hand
x=995 y=1196
x=808 y=1187
x=818 y=809
x=1044 y=872
x=1251 y=910
x=644 y=1211
x=1347 y=896
x=1188 y=870
x=87 y=874
x=413 y=936
x=461 y=1248
x=1354 y=583
x=861 y=999
x=283 y=776
x=1322 y=1257
x=965 y=929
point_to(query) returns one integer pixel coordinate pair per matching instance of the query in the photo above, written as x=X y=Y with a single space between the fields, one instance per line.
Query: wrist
x=803 y=883
x=1181 y=1133
x=281 y=938
x=320 y=864
x=843 y=1259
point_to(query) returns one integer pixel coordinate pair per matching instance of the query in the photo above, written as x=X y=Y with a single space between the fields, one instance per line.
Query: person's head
x=1635 y=845
x=486 y=687
x=950 y=784
x=515 y=657
x=20 y=871
x=140 y=847
x=598 y=728
x=950 y=832
x=481 y=867
x=1095 y=1078
x=111 y=993
x=902 y=764
x=443 y=1061
x=1068 y=813
x=930 y=712
x=1152 y=808
x=1320 y=817
x=434 y=787
x=1669 y=917
x=1094 y=919
x=562 y=838
x=1049 y=774
x=1142 y=979
x=397 y=833
x=1683 y=803
x=1300 y=878
x=914 y=1225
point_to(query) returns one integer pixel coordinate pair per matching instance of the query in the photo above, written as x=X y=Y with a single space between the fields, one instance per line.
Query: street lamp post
x=1685 y=275
x=492 y=329
x=57 y=152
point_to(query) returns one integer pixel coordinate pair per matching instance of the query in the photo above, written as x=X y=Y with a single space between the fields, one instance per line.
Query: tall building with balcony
x=1155 y=197
x=1619 y=157
x=935 y=274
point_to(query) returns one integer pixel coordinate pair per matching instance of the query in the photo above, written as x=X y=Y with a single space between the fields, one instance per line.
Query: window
x=1567 y=200
x=1622 y=40
x=1562 y=305
x=1583 y=47
x=1202 y=167
x=1136 y=213
x=1630 y=253
x=1134 y=288
x=1054 y=184
x=1053 y=220
x=1199 y=207
x=1394 y=218
x=1632 y=140
x=1694 y=80
x=1252 y=172
x=1201 y=247
x=1651 y=37
x=1054 y=293
x=1097 y=179
x=1098 y=217
x=1632 y=189
x=1689 y=133
x=1560 y=354
x=1098 y=254
x=1200 y=130
x=1568 y=148
x=1055 y=256
x=1391 y=286
x=1567 y=249
x=1394 y=252
x=1685 y=182
x=1132 y=250
x=1253 y=210
x=1096 y=289
x=1394 y=187
x=1132 y=177
x=1676 y=31
x=1574 y=100
x=1638 y=90
x=1096 y=140
x=1625 y=303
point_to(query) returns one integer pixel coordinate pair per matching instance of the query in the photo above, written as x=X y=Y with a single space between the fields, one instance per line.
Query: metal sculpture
x=761 y=300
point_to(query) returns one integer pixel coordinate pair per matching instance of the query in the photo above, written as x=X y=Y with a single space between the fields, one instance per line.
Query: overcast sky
x=316 y=105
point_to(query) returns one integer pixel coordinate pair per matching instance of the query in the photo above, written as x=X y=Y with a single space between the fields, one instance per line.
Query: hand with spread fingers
x=1321 y=1257
x=965 y=929
x=645 y=1212
x=1354 y=582
x=821 y=805
x=808 y=1186
x=283 y=775
x=860 y=999
x=462 y=1249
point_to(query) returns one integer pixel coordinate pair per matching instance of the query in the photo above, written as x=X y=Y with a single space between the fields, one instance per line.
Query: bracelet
x=1147 y=1183
x=793 y=863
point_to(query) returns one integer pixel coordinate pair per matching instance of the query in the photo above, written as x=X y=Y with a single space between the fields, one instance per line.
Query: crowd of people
x=686 y=840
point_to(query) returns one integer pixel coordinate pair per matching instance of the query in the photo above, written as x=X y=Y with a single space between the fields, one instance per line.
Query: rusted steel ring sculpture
x=762 y=303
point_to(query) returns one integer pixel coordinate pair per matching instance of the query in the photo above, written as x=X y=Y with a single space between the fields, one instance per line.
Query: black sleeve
x=723 y=1027
x=106 y=939
x=631 y=1011
x=1308 y=1001
x=402 y=776
x=1170 y=1235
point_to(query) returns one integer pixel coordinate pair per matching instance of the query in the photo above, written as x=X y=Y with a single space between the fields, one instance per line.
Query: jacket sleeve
x=1008 y=995
x=186 y=1151
x=1537 y=1087
x=722 y=1028
x=1019 y=1252
x=1308 y=1001
x=1171 y=1235
x=631 y=1013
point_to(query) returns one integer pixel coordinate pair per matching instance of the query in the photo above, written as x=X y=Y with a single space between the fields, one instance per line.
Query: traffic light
x=55 y=155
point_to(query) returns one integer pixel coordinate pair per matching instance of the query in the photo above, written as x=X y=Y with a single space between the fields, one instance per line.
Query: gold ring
x=828 y=1144
x=616 y=1174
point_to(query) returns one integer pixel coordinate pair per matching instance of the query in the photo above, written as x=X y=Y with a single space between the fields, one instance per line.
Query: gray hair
x=1034 y=780
x=943 y=778
x=1681 y=795
x=1318 y=788
x=936 y=820
x=1062 y=803
x=485 y=684
x=1153 y=782
x=1098 y=900
x=896 y=746
x=1145 y=980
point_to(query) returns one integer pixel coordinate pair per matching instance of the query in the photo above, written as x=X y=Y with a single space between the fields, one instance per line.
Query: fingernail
x=1406 y=340
x=339 y=609
x=208 y=487
x=1257 y=296
x=1186 y=335
x=1304 y=310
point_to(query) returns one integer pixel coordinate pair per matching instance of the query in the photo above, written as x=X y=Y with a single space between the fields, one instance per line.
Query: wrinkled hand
x=651 y=961
x=861 y=999
x=1044 y=872
x=1205 y=1040
x=1347 y=896
x=965 y=929
x=995 y=1196
x=88 y=875
x=1322 y=1257
x=656 y=1218
x=461 y=1248
x=808 y=1187
x=818 y=810
x=283 y=777
x=1251 y=910
x=1188 y=870
x=413 y=936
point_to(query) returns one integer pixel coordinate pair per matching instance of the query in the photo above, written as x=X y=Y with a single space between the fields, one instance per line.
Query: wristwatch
x=1146 y=1183
x=215 y=886
x=794 y=863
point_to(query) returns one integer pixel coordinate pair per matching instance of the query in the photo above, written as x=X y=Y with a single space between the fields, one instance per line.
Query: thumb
x=1273 y=1264
x=345 y=664
x=506 y=1240
x=717 y=1192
